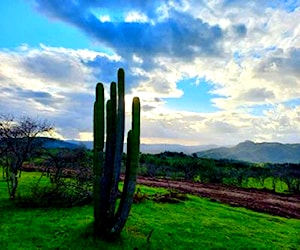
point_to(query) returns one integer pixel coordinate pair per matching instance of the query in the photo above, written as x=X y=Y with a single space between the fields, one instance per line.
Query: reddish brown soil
x=258 y=200
x=284 y=205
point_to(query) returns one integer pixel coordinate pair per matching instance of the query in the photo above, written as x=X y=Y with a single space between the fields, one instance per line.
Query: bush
x=53 y=196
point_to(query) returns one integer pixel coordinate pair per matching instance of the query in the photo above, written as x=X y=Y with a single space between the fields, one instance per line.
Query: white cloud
x=105 y=18
x=71 y=107
x=247 y=50
x=135 y=16
x=56 y=83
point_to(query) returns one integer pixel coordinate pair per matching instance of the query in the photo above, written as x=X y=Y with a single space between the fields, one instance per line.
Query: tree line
x=19 y=144
x=225 y=171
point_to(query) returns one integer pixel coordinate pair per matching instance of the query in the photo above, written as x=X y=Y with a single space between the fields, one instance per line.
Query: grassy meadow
x=280 y=187
x=194 y=224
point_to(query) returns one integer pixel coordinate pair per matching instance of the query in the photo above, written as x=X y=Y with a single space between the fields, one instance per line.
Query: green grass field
x=280 y=186
x=194 y=224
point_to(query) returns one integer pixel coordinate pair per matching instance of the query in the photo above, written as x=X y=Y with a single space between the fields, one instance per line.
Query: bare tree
x=17 y=142
x=76 y=162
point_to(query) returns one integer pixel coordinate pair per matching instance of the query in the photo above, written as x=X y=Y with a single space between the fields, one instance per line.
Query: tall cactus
x=110 y=221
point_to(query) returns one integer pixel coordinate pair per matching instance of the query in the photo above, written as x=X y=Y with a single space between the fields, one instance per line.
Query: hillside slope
x=256 y=152
x=49 y=143
x=156 y=148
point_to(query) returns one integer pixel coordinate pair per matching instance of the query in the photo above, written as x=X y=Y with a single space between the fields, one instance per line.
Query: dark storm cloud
x=51 y=66
x=153 y=104
x=180 y=35
x=147 y=107
x=257 y=95
x=104 y=68
x=222 y=126
x=76 y=113
x=281 y=64
x=240 y=30
x=289 y=63
x=38 y=96
x=80 y=8
x=259 y=5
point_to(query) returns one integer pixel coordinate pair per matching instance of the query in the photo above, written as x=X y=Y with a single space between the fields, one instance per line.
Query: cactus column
x=110 y=221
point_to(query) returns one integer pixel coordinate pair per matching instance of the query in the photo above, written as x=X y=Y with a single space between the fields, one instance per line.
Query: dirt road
x=262 y=201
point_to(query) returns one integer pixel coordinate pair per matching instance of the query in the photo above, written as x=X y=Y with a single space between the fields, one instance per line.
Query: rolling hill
x=50 y=143
x=156 y=148
x=256 y=152
x=272 y=152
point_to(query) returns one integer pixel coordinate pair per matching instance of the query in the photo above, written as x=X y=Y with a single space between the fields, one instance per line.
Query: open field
x=280 y=186
x=194 y=224
x=286 y=205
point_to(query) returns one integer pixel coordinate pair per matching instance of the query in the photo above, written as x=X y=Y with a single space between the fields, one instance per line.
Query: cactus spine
x=110 y=221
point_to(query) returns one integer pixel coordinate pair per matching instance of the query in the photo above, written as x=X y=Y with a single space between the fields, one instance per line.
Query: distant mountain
x=159 y=148
x=49 y=143
x=246 y=151
x=87 y=144
x=55 y=143
x=156 y=148
x=256 y=152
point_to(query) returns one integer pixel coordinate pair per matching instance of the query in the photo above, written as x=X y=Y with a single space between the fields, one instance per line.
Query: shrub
x=53 y=196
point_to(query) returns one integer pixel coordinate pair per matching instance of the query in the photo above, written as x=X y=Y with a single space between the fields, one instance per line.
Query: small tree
x=17 y=142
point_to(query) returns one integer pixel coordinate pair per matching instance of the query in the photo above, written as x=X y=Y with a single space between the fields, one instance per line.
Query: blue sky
x=196 y=96
x=21 y=24
x=207 y=72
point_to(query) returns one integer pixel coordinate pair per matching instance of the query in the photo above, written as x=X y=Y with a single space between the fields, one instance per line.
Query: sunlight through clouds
x=246 y=54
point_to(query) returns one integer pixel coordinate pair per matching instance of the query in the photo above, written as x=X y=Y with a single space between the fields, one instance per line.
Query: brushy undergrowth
x=52 y=196
x=192 y=224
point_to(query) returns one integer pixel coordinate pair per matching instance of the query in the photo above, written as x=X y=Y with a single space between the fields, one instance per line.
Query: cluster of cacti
x=109 y=220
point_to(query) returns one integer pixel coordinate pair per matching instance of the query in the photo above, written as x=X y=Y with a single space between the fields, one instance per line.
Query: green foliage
x=274 y=152
x=276 y=177
x=193 y=224
x=53 y=196
x=62 y=163
x=38 y=192
x=109 y=220
x=19 y=144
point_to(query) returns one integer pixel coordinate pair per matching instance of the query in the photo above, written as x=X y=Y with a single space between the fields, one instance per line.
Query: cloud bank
x=247 y=51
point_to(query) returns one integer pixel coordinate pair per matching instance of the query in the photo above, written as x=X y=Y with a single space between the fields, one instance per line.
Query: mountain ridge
x=262 y=152
x=156 y=148
x=272 y=152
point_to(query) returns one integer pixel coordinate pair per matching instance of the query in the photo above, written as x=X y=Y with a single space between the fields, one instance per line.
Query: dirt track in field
x=262 y=201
